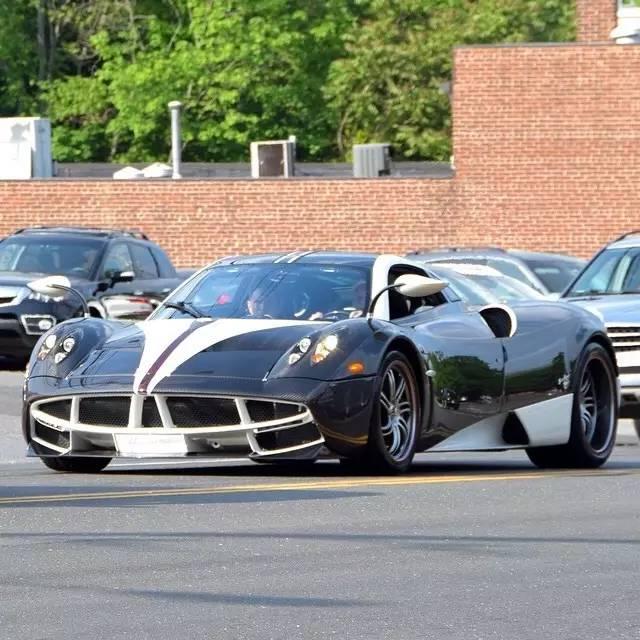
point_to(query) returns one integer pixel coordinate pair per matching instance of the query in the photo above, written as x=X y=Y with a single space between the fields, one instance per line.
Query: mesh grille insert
x=203 y=412
x=150 y=414
x=110 y=412
x=60 y=409
x=261 y=411
x=58 y=438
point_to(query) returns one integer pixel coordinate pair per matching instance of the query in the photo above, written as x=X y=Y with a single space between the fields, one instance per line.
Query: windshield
x=464 y=288
x=279 y=291
x=50 y=256
x=556 y=274
x=506 y=288
x=611 y=272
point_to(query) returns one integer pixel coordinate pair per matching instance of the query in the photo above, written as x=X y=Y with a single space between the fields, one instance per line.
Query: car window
x=165 y=265
x=117 y=260
x=144 y=264
x=294 y=291
x=599 y=274
x=555 y=275
x=50 y=255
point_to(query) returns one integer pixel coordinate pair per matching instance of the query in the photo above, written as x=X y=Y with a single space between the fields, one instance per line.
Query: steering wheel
x=336 y=314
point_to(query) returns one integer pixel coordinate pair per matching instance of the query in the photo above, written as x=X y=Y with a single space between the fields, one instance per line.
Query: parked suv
x=609 y=286
x=121 y=274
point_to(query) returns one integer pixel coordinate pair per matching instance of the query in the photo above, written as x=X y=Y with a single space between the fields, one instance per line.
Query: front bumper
x=629 y=395
x=14 y=340
x=299 y=421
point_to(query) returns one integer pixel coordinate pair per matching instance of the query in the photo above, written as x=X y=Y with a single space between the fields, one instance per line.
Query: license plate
x=150 y=445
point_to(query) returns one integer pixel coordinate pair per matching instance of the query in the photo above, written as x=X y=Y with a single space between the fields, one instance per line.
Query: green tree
x=244 y=71
x=391 y=85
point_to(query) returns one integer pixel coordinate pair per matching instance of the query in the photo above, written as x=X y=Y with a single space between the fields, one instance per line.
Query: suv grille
x=625 y=338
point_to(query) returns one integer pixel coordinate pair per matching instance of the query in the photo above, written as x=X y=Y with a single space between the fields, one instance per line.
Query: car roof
x=305 y=257
x=82 y=231
x=625 y=243
x=545 y=255
x=467 y=269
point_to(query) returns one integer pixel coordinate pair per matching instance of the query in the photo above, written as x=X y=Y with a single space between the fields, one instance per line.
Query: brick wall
x=596 y=19
x=547 y=154
x=199 y=220
x=547 y=146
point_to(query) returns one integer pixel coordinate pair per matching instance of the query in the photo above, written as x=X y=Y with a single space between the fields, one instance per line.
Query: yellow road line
x=342 y=483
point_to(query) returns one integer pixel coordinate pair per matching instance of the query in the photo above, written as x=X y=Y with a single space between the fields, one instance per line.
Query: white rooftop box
x=25 y=148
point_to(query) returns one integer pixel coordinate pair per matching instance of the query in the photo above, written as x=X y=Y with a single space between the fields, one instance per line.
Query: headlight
x=58 y=349
x=324 y=348
x=299 y=350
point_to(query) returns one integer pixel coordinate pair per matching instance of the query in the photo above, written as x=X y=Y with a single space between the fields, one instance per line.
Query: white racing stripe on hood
x=158 y=336
x=207 y=335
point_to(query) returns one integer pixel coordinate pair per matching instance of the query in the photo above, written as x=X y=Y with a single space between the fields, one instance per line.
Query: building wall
x=547 y=156
x=596 y=19
x=547 y=146
x=199 y=220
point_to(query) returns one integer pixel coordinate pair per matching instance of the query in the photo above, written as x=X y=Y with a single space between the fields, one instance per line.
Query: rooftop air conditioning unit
x=371 y=160
x=25 y=148
x=273 y=158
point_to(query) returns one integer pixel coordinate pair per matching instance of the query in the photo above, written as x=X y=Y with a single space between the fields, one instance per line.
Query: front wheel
x=395 y=418
x=593 y=419
x=76 y=464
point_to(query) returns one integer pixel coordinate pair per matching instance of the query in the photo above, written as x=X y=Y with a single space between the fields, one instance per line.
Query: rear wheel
x=76 y=464
x=395 y=418
x=593 y=418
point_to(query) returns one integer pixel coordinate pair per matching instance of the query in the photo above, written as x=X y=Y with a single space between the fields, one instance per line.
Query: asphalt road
x=463 y=547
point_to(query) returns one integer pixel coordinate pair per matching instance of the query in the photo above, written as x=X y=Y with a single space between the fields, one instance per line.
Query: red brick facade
x=547 y=155
x=596 y=19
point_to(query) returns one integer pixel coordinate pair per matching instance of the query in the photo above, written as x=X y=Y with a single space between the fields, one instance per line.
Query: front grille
x=150 y=414
x=203 y=412
x=261 y=411
x=157 y=412
x=110 y=412
x=60 y=409
x=52 y=436
x=625 y=338
x=284 y=438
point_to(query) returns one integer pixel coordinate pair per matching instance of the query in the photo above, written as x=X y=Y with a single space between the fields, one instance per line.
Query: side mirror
x=51 y=286
x=410 y=285
x=55 y=286
x=114 y=276
x=414 y=286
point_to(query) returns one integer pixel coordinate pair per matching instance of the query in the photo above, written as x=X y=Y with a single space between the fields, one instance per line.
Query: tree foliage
x=332 y=72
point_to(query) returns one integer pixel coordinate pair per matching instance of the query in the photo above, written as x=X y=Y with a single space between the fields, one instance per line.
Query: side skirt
x=544 y=423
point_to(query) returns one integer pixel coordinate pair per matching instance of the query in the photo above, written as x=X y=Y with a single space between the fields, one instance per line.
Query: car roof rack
x=626 y=235
x=111 y=233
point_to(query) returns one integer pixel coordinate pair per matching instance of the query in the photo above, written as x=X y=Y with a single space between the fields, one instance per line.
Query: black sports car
x=122 y=274
x=289 y=357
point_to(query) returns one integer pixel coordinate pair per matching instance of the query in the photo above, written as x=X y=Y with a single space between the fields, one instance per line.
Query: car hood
x=13 y=279
x=152 y=351
x=612 y=308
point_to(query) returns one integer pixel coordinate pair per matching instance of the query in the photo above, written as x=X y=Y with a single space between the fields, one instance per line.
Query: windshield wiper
x=185 y=307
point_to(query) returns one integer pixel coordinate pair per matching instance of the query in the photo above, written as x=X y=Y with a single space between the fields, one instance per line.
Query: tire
x=593 y=419
x=76 y=464
x=395 y=419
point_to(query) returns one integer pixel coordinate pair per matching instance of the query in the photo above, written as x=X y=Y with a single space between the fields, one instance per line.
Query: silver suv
x=609 y=286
